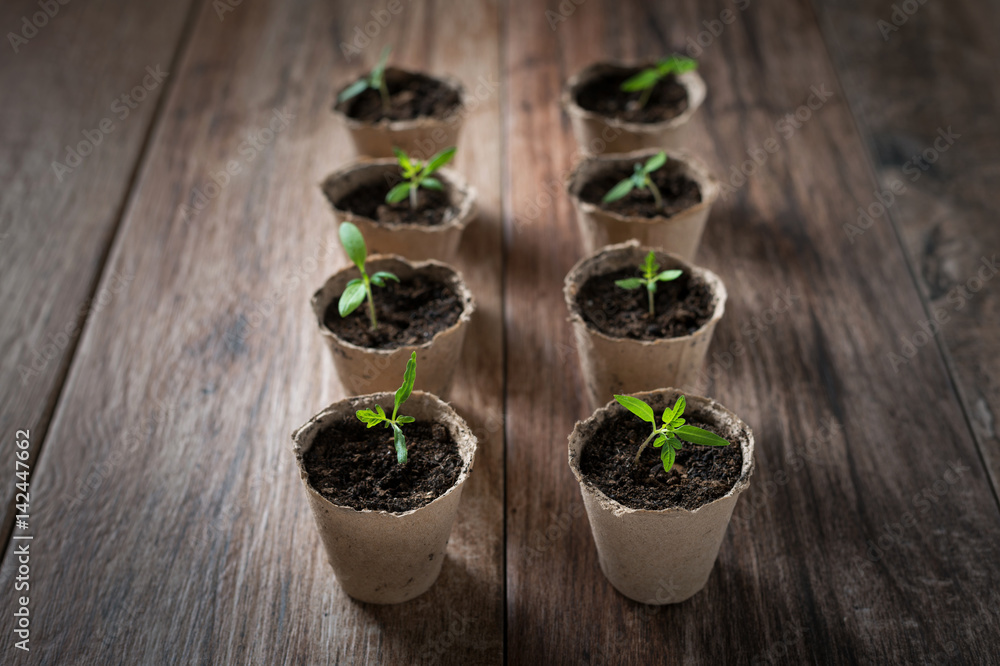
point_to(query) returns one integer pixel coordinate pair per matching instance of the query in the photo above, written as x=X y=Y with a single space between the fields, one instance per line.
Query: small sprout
x=359 y=289
x=373 y=418
x=374 y=80
x=417 y=174
x=650 y=276
x=669 y=435
x=647 y=79
x=641 y=180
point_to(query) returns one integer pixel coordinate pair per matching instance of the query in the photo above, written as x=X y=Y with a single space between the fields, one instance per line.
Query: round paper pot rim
x=692 y=82
x=573 y=282
x=465 y=192
x=584 y=429
x=304 y=437
x=412 y=123
x=691 y=167
x=320 y=304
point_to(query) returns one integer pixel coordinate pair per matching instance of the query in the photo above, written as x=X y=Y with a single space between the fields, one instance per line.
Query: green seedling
x=668 y=436
x=373 y=418
x=640 y=179
x=359 y=289
x=375 y=80
x=647 y=79
x=650 y=276
x=417 y=174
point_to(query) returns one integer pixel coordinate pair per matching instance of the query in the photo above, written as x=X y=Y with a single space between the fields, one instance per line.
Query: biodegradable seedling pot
x=596 y=133
x=623 y=365
x=420 y=137
x=415 y=241
x=367 y=370
x=660 y=556
x=680 y=233
x=379 y=556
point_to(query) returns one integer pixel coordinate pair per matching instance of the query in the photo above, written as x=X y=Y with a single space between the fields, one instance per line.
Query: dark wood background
x=160 y=356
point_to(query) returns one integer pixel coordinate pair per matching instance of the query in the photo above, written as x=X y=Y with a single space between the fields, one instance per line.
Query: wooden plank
x=908 y=74
x=846 y=448
x=173 y=524
x=62 y=87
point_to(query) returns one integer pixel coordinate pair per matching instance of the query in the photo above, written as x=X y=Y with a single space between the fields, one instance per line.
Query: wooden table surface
x=159 y=348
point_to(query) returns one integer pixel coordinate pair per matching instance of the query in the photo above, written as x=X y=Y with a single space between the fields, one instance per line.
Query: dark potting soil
x=700 y=474
x=604 y=95
x=410 y=312
x=368 y=200
x=410 y=96
x=681 y=306
x=353 y=465
x=678 y=191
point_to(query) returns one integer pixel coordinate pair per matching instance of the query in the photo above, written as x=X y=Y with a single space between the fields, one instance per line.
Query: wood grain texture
x=172 y=526
x=56 y=226
x=847 y=449
x=931 y=67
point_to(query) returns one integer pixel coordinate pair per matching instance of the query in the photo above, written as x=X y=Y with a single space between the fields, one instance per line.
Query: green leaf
x=649 y=266
x=676 y=65
x=629 y=283
x=398 y=193
x=676 y=443
x=679 y=406
x=353 y=90
x=381 y=412
x=667 y=276
x=409 y=377
x=619 y=191
x=354 y=244
x=641 y=81
x=667 y=456
x=439 y=160
x=384 y=275
x=353 y=296
x=405 y=419
x=400 y=442
x=379 y=67
x=637 y=407
x=368 y=417
x=402 y=158
x=432 y=183
x=698 y=436
x=655 y=162
x=659 y=441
